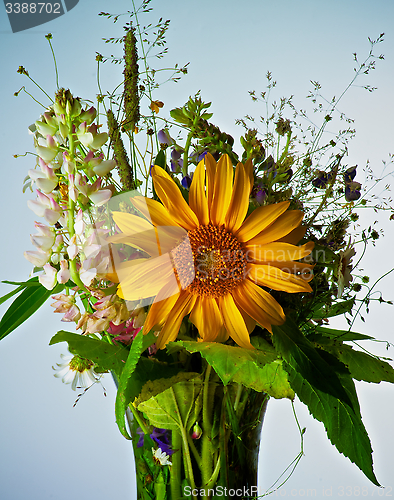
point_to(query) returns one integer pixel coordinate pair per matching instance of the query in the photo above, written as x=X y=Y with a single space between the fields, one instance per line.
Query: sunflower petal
x=233 y=321
x=181 y=308
x=259 y=304
x=260 y=219
x=210 y=167
x=173 y=200
x=277 y=252
x=207 y=318
x=154 y=211
x=279 y=229
x=239 y=203
x=222 y=190
x=197 y=198
x=275 y=278
x=162 y=306
x=131 y=224
x=145 y=280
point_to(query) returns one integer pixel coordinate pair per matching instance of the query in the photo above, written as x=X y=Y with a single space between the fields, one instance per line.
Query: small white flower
x=76 y=371
x=160 y=458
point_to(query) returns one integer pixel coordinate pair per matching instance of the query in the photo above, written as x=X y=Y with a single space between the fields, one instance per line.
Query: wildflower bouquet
x=202 y=278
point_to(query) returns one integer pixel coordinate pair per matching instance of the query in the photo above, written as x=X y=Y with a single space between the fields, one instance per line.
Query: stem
x=186 y=152
x=206 y=452
x=176 y=459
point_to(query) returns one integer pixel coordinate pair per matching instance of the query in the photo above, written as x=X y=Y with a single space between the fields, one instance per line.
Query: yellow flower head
x=206 y=259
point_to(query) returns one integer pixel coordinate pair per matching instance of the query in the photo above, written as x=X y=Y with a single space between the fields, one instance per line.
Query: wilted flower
x=344 y=269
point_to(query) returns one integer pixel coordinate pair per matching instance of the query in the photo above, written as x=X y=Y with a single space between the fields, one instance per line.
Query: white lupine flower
x=48 y=279
x=64 y=274
x=37 y=258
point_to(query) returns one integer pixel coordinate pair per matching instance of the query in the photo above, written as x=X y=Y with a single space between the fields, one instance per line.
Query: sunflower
x=205 y=260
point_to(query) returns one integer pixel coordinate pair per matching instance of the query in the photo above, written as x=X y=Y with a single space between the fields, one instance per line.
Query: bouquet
x=202 y=277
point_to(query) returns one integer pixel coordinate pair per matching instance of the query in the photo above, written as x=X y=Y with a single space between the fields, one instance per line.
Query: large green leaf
x=107 y=356
x=344 y=335
x=361 y=365
x=335 y=310
x=301 y=355
x=343 y=423
x=21 y=285
x=125 y=383
x=169 y=403
x=260 y=370
x=26 y=304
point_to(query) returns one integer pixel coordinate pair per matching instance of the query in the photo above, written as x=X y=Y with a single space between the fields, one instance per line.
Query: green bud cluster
x=253 y=147
x=131 y=99
x=123 y=165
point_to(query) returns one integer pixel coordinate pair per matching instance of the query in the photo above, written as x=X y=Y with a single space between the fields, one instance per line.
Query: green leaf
x=343 y=335
x=343 y=425
x=107 y=356
x=20 y=286
x=361 y=365
x=169 y=403
x=123 y=395
x=301 y=355
x=160 y=159
x=260 y=370
x=31 y=299
x=335 y=310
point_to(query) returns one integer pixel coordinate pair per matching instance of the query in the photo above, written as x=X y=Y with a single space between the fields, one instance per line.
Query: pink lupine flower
x=45 y=239
x=68 y=164
x=37 y=258
x=50 y=151
x=104 y=167
x=72 y=249
x=48 y=279
x=64 y=274
x=45 y=206
x=66 y=304
x=79 y=224
x=88 y=115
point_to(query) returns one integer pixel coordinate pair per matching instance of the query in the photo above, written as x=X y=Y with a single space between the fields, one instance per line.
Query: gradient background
x=48 y=449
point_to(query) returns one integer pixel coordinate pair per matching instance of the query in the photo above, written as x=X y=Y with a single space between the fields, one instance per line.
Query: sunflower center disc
x=219 y=261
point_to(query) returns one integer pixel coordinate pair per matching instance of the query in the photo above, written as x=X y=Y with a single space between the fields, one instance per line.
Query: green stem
x=176 y=459
x=70 y=220
x=206 y=451
x=186 y=152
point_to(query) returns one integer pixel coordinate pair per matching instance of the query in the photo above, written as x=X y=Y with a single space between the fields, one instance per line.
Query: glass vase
x=197 y=439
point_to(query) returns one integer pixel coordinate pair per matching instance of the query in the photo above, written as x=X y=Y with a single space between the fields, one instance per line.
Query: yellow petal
x=162 y=306
x=154 y=211
x=222 y=191
x=181 y=308
x=122 y=266
x=233 y=321
x=240 y=199
x=275 y=278
x=207 y=318
x=280 y=228
x=131 y=224
x=173 y=200
x=146 y=279
x=294 y=236
x=276 y=252
x=249 y=172
x=260 y=219
x=210 y=167
x=197 y=198
x=259 y=304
